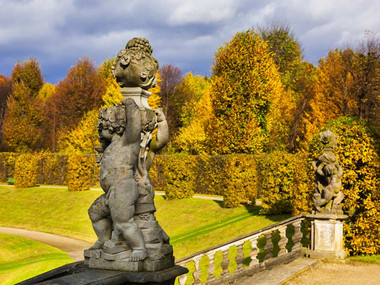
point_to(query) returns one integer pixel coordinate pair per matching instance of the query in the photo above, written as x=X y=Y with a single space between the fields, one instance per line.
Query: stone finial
x=134 y=66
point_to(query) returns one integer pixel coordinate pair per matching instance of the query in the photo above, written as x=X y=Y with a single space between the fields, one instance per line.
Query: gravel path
x=349 y=273
x=73 y=247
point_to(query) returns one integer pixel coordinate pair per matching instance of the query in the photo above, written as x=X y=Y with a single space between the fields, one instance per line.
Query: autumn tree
x=5 y=92
x=171 y=76
x=194 y=110
x=75 y=95
x=286 y=52
x=366 y=80
x=23 y=119
x=246 y=91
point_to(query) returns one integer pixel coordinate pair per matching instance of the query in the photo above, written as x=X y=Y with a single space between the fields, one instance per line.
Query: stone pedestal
x=327 y=236
x=79 y=274
x=139 y=95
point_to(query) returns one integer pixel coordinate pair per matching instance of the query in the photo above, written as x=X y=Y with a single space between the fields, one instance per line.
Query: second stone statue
x=129 y=237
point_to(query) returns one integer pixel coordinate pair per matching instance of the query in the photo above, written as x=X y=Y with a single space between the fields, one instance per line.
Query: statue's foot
x=97 y=245
x=138 y=255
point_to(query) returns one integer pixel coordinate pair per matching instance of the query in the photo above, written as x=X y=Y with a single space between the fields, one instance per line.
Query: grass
x=192 y=224
x=366 y=258
x=21 y=258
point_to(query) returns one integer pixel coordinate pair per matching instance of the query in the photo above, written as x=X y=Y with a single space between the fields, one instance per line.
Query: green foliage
x=26 y=170
x=244 y=84
x=80 y=171
x=179 y=182
x=285 y=182
x=286 y=51
x=357 y=154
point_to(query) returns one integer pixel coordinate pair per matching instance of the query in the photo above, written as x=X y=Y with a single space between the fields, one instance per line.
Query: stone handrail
x=288 y=247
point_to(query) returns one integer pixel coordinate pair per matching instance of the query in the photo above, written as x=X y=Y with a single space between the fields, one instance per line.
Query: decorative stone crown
x=134 y=66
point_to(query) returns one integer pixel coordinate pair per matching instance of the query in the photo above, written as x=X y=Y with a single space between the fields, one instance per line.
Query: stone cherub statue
x=129 y=237
x=327 y=195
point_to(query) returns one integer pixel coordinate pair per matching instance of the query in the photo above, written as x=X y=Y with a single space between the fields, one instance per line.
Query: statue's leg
x=122 y=206
x=99 y=215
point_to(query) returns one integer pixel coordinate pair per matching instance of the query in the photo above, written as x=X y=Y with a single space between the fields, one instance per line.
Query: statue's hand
x=127 y=102
x=160 y=115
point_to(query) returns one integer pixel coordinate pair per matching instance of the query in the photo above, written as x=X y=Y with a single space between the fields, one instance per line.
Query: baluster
x=239 y=257
x=225 y=263
x=297 y=234
x=197 y=271
x=283 y=241
x=268 y=246
x=211 y=267
x=182 y=279
x=254 y=252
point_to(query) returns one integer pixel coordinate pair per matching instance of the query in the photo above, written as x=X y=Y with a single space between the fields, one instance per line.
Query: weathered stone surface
x=123 y=218
x=79 y=274
x=327 y=236
x=327 y=194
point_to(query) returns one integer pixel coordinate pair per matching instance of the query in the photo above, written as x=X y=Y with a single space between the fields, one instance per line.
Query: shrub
x=285 y=182
x=356 y=151
x=7 y=165
x=80 y=170
x=53 y=170
x=26 y=170
x=179 y=181
x=240 y=181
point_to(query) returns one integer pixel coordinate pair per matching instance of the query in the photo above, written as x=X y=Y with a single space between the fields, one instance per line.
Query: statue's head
x=330 y=169
x=329 y=139
x=134 y=66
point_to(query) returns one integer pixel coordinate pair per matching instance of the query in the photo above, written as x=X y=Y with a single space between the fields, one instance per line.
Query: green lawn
x=192 y=224
x=22 y=258
x=366 y=258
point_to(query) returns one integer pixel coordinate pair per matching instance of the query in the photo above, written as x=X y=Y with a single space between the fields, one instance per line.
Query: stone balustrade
x=247 y=254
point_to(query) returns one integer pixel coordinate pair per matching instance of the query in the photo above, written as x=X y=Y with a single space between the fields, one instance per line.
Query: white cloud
x=182 y=32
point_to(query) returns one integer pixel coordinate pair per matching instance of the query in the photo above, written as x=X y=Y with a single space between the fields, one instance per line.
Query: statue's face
x=107 y=134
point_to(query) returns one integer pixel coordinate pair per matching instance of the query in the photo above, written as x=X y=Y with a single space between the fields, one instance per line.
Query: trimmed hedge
x=80 y=172
x=26 y=170
x=286 y=183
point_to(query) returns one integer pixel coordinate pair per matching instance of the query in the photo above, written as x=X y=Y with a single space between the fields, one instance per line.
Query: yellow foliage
x=244 y=85
x=286 y=183
x=80 y=171
x=179 y=179
x=192 y=138
x=26 y=170
x=83 y=138
x=113 y=94
x=46 y=91
x=359 y=159
x=7 y=165
x=154 y=100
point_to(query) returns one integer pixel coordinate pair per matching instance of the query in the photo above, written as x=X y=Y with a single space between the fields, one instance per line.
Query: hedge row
x=282 y=178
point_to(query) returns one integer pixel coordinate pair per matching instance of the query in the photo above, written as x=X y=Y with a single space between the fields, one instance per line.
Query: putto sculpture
x=327 y=195
x=129 y=237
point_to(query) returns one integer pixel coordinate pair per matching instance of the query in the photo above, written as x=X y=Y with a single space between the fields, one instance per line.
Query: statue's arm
x=132 y=133
x=162 y=132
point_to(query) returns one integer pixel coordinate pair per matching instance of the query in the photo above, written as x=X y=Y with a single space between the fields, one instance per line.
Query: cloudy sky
x=185 y=33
